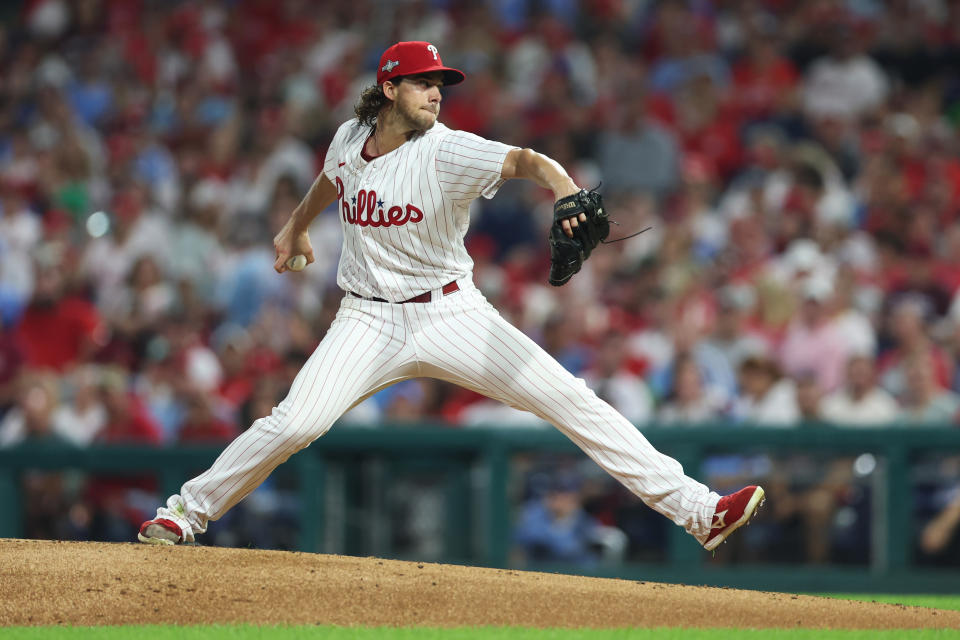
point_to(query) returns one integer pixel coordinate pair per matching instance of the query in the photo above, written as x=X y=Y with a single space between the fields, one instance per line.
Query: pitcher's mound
x=99 y=584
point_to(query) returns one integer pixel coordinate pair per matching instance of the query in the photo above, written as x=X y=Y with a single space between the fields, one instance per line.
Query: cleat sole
x=756 y=501
x=159 y=541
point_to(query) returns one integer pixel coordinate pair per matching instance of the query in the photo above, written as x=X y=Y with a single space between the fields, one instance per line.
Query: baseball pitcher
x=403 y=183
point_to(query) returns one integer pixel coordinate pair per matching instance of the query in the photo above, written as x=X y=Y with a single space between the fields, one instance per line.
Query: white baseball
x=296 y=263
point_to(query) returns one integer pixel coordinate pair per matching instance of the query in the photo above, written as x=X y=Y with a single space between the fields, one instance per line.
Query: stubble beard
x=414 y=118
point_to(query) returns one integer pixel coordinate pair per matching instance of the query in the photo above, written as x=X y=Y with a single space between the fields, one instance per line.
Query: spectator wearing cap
x=767 y=398
x=814 y=342
x=860 y=402
x=555 y=528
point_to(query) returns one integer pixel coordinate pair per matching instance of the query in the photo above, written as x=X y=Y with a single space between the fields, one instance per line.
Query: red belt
x=426 y=296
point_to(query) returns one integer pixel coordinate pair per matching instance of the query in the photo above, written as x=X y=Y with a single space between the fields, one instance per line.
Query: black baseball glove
x=567 y=254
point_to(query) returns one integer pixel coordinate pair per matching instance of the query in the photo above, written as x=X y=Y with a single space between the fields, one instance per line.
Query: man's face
x=418 y=100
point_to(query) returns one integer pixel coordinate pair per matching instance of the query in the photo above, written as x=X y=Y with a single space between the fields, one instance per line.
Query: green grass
x=250 y=632
x=245 y=632
x=951 y=602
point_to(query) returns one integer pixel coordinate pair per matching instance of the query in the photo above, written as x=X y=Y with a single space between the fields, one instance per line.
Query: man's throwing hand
x=293 y=250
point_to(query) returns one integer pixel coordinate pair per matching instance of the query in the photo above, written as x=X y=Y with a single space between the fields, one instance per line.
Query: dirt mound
x=98 y=584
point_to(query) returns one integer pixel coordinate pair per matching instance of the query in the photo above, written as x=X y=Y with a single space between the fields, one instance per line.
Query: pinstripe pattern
x=460 y=338
x=440 y=172
x=465 y=341
x=365 y=349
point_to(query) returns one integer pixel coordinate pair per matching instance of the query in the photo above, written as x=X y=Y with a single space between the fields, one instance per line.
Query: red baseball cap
x=411 y=58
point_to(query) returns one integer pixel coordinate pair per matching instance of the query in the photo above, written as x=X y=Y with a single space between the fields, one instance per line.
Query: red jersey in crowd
x=58 y=335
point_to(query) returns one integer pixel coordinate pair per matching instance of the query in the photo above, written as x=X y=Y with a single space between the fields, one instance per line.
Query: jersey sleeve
x=469 y=166
x=336 y=146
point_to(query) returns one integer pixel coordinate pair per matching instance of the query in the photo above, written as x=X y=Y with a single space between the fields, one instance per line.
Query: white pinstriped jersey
x=405 y=213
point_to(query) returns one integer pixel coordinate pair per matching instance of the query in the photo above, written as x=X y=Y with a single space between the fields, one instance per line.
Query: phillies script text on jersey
x=365 y=210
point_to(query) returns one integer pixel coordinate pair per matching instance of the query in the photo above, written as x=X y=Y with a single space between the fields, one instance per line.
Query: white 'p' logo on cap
x=432 y=49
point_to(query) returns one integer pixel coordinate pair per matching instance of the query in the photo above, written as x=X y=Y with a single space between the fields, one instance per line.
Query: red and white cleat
x=160 y=531
x=169 y=527
x=732 y=512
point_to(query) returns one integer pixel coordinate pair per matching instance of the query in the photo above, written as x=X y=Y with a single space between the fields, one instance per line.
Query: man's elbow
x=522 y=163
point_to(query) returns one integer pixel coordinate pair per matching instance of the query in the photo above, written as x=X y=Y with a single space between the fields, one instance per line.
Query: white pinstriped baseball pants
x=460 y=338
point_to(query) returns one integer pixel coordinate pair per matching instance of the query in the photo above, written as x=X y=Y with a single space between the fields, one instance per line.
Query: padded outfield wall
x=352 y=469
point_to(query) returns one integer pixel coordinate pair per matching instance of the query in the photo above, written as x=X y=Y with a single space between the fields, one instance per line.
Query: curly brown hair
x=368 y=107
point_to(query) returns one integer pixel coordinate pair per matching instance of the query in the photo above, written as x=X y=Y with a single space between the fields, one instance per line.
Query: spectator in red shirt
x=764 y=82
x=57 y=329
x=707 y=127
x=128 y=421
x=201 y=425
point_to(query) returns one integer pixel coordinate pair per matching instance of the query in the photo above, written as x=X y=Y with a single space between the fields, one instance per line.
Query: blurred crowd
x=797 y=163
